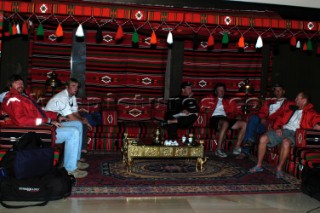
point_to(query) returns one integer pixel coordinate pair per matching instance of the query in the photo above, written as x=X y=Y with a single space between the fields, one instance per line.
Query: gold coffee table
x=131 y=150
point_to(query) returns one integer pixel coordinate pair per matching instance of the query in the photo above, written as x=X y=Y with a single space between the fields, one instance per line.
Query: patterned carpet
x=108 y=177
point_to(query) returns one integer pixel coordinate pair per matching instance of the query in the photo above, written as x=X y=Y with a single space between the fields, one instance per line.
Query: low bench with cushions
x=139 y=117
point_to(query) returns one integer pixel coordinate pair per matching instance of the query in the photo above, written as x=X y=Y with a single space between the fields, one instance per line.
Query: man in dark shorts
x=302 y=116
x=224 y=115
x=182 y=111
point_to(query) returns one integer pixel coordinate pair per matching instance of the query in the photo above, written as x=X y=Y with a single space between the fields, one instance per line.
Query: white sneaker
x=78 y=173
x=220 y=153
x=82 y=165
x=236 y=151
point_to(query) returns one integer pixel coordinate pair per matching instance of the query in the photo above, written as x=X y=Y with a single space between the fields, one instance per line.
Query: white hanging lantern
x=170 y=38
x=259 y=43
x=79 y=32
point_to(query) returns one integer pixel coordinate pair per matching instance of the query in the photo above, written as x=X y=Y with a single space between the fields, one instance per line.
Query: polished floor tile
x=248 y=203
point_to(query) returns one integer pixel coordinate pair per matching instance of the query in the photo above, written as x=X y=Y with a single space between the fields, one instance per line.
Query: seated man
x=65 y=104
x=224 y=115
x=182 y=111
x=271 y=109
x=25 y=112
x=293 y=118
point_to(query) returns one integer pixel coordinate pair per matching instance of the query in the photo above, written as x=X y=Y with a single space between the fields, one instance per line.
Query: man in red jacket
x=224 y=114
x=23 y=111
x=259 y=123
x=302 y=116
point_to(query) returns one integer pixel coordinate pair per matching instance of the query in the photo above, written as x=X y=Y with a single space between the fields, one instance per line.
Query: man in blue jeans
x=259 y=123
x=23 y=111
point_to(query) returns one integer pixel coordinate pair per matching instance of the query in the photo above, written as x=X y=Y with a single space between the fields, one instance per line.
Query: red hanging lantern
x=119 y=33
x=241 y=42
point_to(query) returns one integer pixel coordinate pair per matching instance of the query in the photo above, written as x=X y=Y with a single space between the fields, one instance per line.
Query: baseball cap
x=277 y=85
x=186 y=84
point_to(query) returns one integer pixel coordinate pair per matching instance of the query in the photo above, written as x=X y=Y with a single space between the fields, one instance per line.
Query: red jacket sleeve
x=264 y=110
x=22 y=113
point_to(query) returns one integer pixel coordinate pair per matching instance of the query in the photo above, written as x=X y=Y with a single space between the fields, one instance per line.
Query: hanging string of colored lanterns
x=16 y=25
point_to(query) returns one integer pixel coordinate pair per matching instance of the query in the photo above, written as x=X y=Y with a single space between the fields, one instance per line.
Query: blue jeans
x=71 y=134
x=254 y=127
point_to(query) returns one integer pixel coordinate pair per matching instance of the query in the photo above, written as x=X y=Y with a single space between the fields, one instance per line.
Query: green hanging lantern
x=135 y=37
x=309 y=45
x=40 y=30
x=225 y=38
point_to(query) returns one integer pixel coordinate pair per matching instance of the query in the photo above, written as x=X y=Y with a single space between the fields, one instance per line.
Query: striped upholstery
x=9 y=134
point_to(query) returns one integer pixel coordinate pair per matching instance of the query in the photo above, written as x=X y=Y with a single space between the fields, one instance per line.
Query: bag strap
x=22 y=206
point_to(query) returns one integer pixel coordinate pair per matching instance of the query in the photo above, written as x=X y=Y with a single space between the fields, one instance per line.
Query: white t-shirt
x=62 y=103
x=219 y=110
x=274 y=107
x=294 y=122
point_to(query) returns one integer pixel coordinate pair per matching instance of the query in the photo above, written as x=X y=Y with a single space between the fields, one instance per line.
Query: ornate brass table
x=131 y=150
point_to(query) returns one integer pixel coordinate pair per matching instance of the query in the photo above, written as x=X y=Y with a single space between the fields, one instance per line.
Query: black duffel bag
x=52 y=186
x=28 y=158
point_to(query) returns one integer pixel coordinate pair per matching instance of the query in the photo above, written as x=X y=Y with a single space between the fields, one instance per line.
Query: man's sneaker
x=82 y=165
x=236 y=151
x=220 y=153
x=78 y=173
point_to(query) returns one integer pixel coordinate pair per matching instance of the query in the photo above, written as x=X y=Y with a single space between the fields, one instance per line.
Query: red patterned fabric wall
x=123 y=70
x=47 y=55
x=111 y=69
x=206 y=68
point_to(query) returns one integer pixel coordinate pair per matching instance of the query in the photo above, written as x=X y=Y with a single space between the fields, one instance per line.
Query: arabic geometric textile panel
x=205 y=69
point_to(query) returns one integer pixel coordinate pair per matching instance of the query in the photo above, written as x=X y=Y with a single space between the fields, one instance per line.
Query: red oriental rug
x=108 y=177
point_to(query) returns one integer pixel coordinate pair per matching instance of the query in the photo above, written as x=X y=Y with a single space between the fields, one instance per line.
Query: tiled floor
x=260 y=203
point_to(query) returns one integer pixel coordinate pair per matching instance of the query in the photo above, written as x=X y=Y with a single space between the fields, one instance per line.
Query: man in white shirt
x=65 y=103
x=304 y=117
x=224 y=114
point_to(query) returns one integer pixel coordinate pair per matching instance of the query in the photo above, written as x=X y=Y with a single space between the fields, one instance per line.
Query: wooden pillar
x=265 y=69
x=78 y=63
x=173 y=76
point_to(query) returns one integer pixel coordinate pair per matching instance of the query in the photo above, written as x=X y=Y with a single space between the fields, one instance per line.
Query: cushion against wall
x=132 y=109
x=109 y=117
x=160 y=109
x=108 y=103
x=90 y=104
x=201 y=120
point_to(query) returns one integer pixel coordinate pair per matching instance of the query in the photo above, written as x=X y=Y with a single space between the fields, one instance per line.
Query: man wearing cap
x=271 y=110
x=224 y=114
x=182 y=111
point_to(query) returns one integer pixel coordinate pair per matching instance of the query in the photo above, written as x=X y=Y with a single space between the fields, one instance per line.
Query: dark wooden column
x=78 y=63
x=15 y=56
x=174 y=70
